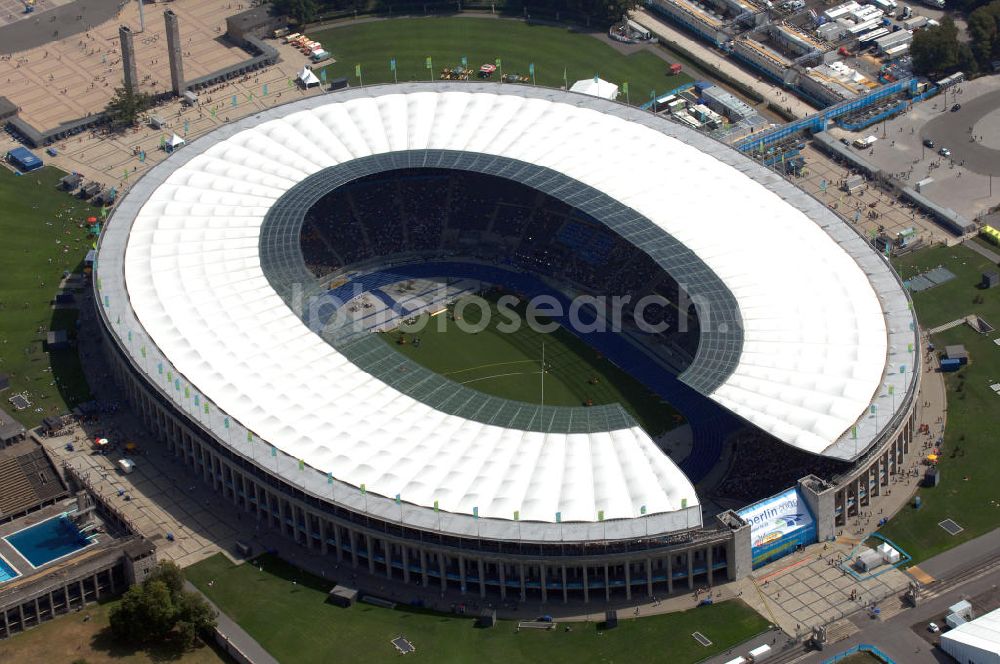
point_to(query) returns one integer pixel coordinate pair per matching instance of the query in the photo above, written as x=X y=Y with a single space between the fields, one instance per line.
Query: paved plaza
x=12 y=11
x=72 y=78
x=113 y=160
x=811 y=589
x=869 y=209
x=900 y=148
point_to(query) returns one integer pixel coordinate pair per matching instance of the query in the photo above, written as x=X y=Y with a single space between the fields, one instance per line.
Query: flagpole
x=543 y=374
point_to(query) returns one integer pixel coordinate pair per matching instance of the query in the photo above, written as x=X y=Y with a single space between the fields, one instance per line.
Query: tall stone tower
x=128 y=59
x=174 y=52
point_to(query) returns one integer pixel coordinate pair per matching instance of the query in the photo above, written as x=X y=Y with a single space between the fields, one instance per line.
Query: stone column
x=482 y=578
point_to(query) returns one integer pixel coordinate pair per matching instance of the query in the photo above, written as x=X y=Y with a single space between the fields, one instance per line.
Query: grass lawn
x=969 y=465
x=508 y=365
x=84 y=635
x=41 y=237
x=861 y=658
x=295 y=624
x=482 y=41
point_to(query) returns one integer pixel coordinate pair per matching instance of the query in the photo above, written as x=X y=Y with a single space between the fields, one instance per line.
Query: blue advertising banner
x=778 y=526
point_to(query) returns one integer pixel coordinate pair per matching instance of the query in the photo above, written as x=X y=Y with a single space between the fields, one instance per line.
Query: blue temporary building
x=24 y=160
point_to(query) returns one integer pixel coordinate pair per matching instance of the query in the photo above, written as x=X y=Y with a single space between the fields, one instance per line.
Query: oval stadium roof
x=824 y=323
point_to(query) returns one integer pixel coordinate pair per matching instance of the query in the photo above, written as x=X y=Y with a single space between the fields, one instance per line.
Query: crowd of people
x=459 y=214
x=761 y=466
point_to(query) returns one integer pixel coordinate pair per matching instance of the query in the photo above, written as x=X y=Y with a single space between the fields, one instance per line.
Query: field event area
x=553 y=51
x=508 y=364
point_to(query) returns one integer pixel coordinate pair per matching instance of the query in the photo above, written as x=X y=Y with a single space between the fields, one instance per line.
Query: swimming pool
x=6 y=571
x=48 y=540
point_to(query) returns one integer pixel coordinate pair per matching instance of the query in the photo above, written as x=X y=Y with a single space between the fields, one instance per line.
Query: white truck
x=937 y=4
x=887 y=6
x=866 y=142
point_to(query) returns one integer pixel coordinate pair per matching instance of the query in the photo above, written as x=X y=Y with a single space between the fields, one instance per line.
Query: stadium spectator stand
x=27 y=479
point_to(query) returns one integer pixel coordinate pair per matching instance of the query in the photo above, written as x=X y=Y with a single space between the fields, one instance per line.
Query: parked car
x=928 y=143
x=944 y=152
x=956 y=107
x=932 y=627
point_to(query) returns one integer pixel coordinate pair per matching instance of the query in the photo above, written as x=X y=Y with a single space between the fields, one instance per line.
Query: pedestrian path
x=234 y=635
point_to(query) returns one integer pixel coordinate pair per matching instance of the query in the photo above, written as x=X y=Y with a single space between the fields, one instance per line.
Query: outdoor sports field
x=294 y=622
x=42 y=237
x=508 y=365
x=482 y=40
x=969 y=462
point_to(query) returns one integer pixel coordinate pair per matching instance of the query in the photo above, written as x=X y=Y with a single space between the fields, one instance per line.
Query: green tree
x=125 y=107
x=984 y=33
x=936 y=50
x=146 y=614
x=301 y=11
x=159 y=609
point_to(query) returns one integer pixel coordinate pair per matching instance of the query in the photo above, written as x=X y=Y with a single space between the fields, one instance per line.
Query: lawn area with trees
x=43 y=235
x=968 y=462
x=286 y=611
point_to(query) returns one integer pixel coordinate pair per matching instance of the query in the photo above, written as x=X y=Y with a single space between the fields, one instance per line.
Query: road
x=952 y=130
x=58 y=23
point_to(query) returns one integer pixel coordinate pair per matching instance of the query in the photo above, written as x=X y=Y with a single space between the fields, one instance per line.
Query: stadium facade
x=811 y=338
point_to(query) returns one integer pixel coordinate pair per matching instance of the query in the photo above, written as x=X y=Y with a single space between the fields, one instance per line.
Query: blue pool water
x=6 y=571
x=46 y=541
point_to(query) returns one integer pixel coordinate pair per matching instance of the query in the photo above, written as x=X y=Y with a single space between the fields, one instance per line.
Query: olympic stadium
x=235 y=281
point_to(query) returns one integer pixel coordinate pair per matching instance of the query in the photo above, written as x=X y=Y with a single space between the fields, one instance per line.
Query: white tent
x=596 y=87
x=307 y=77
x=977 y=641
x=174 y=142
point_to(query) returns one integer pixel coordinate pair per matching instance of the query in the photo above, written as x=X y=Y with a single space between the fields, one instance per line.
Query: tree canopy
x=160 y=609
x=937 y=51
x=125 y=107
x=984 y=34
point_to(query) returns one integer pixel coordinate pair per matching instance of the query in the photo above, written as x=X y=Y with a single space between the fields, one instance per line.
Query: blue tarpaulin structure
x=24 y=160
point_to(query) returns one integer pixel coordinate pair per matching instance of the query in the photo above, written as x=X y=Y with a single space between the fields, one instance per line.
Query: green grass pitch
x=508 y=365
x=41 y=236
x=481 y=40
